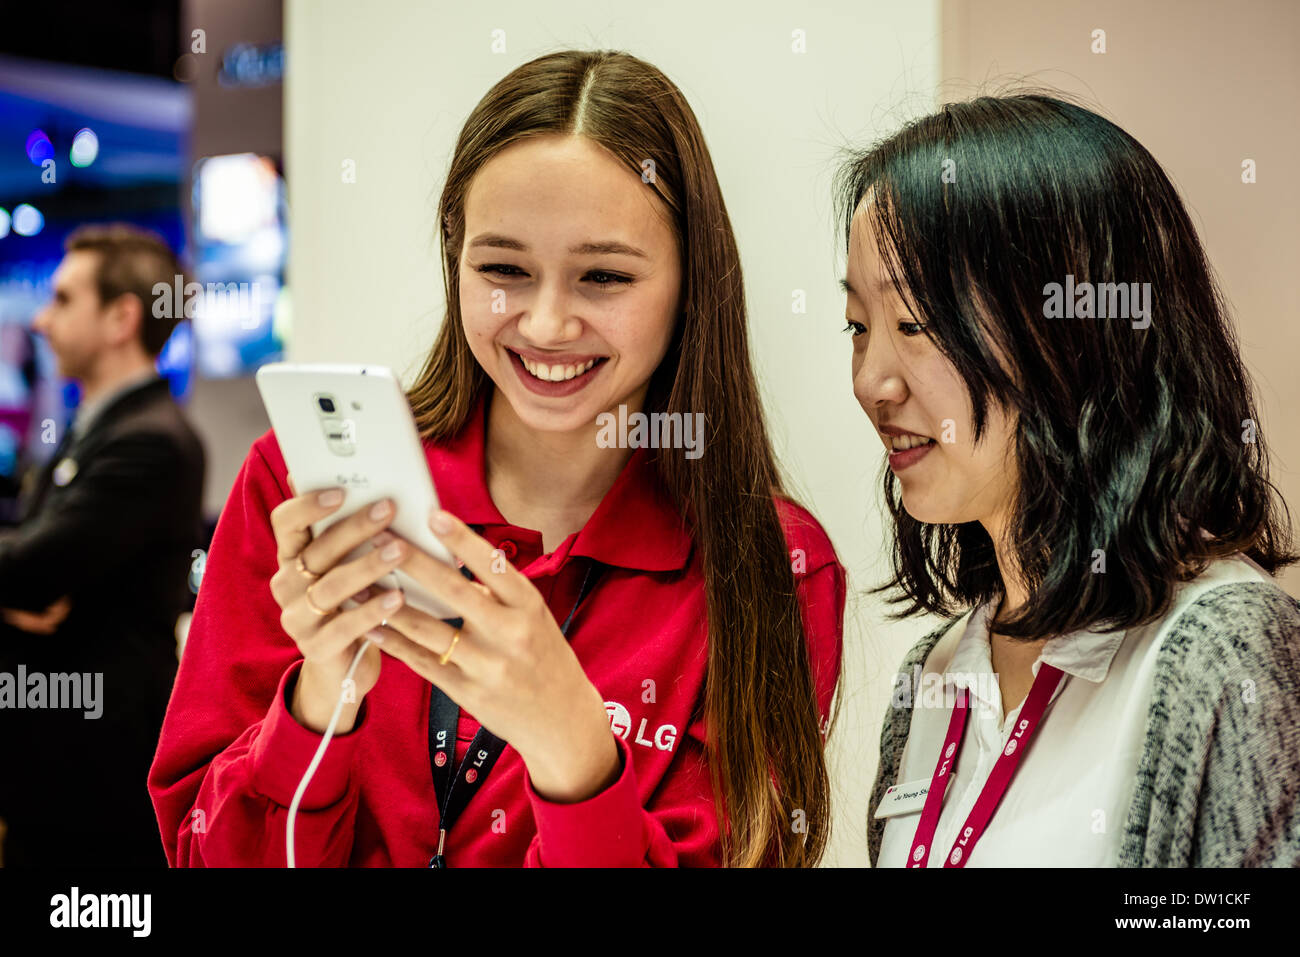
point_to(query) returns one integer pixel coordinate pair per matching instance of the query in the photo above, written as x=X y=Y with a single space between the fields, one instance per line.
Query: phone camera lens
x=326 y=404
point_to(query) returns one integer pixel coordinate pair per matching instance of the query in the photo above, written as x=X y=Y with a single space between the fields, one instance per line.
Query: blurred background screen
x=166 y=115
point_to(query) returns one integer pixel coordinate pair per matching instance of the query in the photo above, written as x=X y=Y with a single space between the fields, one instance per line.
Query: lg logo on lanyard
x=440 y=757
x=961 y=844
x=472 y=774
x=1015 y=738
x=620 y=722
x=947 y=759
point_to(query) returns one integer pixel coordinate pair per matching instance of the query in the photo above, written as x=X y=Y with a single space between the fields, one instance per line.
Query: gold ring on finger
x=304 y=571
x=446 y=655
x=312 y=605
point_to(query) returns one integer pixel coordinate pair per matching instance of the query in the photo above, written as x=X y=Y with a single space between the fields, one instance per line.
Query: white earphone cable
x=320 y=754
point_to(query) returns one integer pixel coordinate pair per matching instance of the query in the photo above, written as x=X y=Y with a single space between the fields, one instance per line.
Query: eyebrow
x=608 y=247
x=882 y=285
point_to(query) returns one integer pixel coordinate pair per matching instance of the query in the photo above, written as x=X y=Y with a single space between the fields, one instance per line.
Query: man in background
x=94 y=576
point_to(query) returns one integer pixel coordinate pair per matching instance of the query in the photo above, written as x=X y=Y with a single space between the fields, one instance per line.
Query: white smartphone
x=350 y=426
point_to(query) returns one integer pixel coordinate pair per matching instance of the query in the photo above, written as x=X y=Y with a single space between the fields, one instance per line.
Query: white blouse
x=1066 y=804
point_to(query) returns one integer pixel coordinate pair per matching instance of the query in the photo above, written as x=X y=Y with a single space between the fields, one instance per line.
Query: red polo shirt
x=230 y=755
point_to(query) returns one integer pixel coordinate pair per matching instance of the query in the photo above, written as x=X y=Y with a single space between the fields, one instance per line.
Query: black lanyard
x=444 y=716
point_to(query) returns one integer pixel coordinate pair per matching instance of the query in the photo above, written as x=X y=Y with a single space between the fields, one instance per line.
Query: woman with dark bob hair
x=1076 y=469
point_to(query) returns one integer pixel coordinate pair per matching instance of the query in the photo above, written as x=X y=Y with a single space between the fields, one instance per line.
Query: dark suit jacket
x=117 y=539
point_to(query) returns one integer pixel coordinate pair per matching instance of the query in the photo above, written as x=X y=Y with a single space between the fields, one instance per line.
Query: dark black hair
x=1129 y=440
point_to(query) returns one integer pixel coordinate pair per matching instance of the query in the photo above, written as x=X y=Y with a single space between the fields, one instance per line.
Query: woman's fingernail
x=392 y=552
x=375 y=635
x=330 y=497
x=440 y=521
x=393 y=600
x=383 y=538
x=379 y=511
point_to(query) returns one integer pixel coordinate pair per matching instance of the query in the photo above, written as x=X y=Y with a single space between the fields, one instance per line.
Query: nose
x=40 y=321
x=549 y=322
x=878 y=377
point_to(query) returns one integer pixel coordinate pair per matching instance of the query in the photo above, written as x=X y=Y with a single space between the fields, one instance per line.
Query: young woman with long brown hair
x=661 y=643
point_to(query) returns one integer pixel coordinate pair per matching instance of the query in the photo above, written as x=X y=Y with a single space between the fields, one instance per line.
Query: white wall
x=388 y=85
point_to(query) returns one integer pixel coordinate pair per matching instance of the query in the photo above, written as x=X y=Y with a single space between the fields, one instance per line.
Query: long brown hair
x=765 y=751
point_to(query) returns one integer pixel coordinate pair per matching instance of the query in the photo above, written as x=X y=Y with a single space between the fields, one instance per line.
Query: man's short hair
x=132 y=261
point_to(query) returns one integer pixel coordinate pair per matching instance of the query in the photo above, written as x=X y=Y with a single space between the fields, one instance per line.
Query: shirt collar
x=636 y=525
x=88 y=412
x=1083 y=654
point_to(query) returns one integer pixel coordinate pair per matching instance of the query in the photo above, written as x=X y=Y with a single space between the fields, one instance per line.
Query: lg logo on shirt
x=620 y=722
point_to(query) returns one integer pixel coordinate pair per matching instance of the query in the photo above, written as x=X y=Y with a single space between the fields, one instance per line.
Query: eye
x=598 y=276
x=500 y=269
x=609 y=278
x=857 y=328
x=910 y=329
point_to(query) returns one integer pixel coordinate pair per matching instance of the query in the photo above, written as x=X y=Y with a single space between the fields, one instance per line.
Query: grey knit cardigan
x=1218 y=782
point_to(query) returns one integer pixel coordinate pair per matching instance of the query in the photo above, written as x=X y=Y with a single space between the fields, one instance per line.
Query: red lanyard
x=1040 y=694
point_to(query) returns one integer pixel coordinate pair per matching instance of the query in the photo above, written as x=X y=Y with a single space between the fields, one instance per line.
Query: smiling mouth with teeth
x=900 y=443
x=556 y=373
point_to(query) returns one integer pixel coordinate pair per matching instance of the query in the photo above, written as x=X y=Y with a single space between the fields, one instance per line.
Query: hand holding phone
x=350 y=427
x=327 y=635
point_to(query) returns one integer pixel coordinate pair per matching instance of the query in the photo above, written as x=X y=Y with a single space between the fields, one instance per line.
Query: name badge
x=904 y=798
x=64 y=472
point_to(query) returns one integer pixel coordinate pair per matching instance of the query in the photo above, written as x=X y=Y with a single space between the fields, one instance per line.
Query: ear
x=125 y=316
